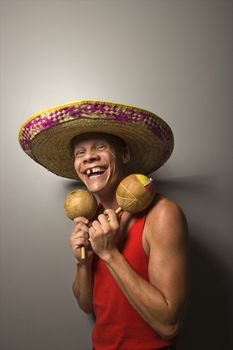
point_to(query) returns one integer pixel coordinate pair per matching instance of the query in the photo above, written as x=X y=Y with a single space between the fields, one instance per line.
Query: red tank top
x=118 y=326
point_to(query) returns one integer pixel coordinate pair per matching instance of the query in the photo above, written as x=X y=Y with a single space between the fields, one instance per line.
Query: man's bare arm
x=83 y=286
x=83 y=283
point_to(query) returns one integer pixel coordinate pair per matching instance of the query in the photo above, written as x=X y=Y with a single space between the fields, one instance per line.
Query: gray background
x=173 y=57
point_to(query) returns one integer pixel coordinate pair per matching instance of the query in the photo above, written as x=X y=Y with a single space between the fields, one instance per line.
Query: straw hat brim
x=46 y=136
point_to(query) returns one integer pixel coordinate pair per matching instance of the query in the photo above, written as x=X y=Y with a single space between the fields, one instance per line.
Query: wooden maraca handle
x=82 y=253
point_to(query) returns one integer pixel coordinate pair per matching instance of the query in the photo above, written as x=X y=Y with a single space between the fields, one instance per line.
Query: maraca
x=134 y=194
x=80 y=202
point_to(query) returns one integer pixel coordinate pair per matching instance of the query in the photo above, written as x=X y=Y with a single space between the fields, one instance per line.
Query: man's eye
x=100 y=147
x=79 y=153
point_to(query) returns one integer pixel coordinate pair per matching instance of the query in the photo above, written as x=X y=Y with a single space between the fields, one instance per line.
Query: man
x=134 y=278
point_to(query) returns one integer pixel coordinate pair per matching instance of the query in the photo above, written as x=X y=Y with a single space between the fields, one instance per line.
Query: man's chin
x=95 y=185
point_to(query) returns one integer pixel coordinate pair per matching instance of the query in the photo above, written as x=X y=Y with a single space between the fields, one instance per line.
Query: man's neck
x=108 y=202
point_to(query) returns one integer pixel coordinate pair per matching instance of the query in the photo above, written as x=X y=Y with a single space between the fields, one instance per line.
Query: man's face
x=99 y=162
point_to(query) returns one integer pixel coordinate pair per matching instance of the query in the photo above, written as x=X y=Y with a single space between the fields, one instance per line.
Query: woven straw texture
x=46 y=136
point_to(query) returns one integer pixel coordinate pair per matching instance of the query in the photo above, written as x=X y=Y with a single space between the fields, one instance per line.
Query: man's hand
x=104 y=233
x=80 y=238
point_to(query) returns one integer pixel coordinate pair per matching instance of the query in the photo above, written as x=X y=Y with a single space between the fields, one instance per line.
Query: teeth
x=94 y=170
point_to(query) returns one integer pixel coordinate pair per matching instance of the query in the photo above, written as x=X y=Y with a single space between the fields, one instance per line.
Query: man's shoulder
x=164 y=216
x=164 y=206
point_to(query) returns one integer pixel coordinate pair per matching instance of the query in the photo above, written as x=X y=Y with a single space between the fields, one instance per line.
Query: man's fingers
x=81 y=219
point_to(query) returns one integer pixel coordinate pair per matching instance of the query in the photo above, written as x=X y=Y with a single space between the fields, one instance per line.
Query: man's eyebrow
x=79 y=146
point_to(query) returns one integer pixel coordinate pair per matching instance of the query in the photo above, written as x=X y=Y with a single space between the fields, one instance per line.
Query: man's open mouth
x=94 y=172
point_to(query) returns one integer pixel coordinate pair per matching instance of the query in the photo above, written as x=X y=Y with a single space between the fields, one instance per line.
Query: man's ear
x=125 y=155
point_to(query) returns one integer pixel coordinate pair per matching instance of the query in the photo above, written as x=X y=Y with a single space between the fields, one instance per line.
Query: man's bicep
x=168 y=259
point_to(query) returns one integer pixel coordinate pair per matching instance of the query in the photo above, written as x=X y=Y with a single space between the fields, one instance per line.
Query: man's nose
x=91 y=156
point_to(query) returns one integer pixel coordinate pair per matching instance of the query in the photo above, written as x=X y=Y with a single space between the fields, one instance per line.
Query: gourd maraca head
x=80 y=202
x=135 y=193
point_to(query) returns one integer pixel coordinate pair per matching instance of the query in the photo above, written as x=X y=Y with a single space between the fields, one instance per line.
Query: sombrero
x=46 y=136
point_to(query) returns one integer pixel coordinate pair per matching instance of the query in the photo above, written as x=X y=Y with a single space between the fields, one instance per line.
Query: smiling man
x=134 y=277
x=99 y=161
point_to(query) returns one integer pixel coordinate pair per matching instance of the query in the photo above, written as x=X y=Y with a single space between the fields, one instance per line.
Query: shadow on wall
x=208 y=318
